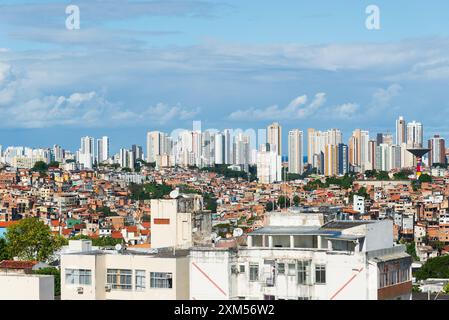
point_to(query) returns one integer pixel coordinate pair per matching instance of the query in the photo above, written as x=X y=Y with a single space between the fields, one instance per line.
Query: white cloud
x=383 y=97
x=344 y=111
x=163 y=113
x=296 y=109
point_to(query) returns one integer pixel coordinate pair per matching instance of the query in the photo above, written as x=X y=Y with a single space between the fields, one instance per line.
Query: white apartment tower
x=401 y=131
x=274 y=137
x=295 y=152
x=414 y=135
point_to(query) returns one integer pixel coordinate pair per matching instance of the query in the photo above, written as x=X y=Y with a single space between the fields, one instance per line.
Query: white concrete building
x=179 y=222
x=88 y=274
x=359 y=204
x=299 y=256
x=26 y=287
x=269 y=167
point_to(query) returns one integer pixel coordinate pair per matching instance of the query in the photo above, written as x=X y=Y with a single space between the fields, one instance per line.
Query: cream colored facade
x=179 y=222
x=26 y=287
x=100 y=268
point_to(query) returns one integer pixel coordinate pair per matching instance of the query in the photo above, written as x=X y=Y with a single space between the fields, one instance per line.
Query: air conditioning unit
x=108 y=287
x=80 y=290
x=169 y=276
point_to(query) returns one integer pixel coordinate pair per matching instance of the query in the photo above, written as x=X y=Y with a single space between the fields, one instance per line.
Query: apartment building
x=304 y=255
x=179 y=222
x=158 y=274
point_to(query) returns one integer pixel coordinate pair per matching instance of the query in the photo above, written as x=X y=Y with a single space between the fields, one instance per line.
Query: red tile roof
x=131 y=229
x=116 y=235
x=6 y=224
x=11 y=264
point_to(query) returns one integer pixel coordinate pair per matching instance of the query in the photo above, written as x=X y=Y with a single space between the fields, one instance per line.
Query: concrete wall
x=100 y=263
x=348 y=276
x=26 y=287
x=210 y=275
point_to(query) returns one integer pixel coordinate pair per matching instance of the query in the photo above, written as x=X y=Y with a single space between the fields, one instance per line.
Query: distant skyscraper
x=401 y=134
x=219 y=148
x=58 y=153
x=317 y=142
x=228 y=146
x=343 y=163
x=269 y=166
x=137 y=152
x=437 y=152
x=87 y=152
x=156 y=145
x=295 y=152
x=414 y=135
x=359 y=150
x=102 y=151
x=274 y=137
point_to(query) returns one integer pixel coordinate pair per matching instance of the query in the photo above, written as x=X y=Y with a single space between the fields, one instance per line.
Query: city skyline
x=157 y=66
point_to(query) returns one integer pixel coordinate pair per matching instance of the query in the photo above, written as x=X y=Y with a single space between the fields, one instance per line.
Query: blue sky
x=158 y=65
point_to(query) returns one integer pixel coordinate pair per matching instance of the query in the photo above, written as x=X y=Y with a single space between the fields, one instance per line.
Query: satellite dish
x=174 y=194
x=238 y=232
x=118 y=247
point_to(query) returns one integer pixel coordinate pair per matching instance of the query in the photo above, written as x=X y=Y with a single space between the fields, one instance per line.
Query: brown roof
x=12 y=264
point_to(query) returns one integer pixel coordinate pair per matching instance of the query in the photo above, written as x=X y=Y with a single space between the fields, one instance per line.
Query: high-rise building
x=414 y=135
x=137 y=152
x=343 y=163
x=87 y=152
x=269 y=166
x=58 y=153
x=102 y=151
x=401 y=133
x=359 y=150
x=330 y=160
x=228 y=146
x=241 y=149
x=295 y=152
x=220 y=148
x=437 y=150
x=317 y=142
x=274 y=137
x=158 y=143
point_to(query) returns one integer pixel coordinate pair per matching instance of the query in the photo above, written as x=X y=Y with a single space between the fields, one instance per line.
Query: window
x=78 y=276
x=119 y=279
x=281 y=268
x=253 y=272
x=303 y=272
x=242 y=268
x=161 y=280
x=320 y=274
x=140 y=280
x=291 y=269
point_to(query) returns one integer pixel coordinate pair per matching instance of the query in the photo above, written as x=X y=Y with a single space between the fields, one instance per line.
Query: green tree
x=210 y=202
x=283 y=202
x=57 y=277
x=403 y=175
x=411 y=250
x=434 y=268
x=269 y=206
x=446 y=288
x=296 y=200
x=425 y=178
x=53 y=164
x=4 y=252
x=382 y=176
x=370 y=174
x=31 y=239
x=40 y=166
